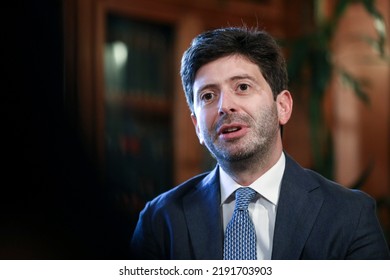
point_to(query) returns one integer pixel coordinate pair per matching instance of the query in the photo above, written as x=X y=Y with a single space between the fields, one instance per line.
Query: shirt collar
x=268 y=185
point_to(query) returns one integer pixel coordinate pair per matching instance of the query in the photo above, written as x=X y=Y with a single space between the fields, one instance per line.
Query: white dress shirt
x=262 y=210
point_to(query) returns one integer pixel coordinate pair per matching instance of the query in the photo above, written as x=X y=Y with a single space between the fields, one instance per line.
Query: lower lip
x=233 y=135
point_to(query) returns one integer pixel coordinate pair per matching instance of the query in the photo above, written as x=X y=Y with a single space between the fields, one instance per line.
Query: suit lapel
x=299 y=204
x=203 y=216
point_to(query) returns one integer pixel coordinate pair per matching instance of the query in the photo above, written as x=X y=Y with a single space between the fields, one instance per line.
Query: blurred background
x=95 y=121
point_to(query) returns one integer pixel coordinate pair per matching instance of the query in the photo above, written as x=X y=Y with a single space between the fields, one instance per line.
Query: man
x=235 y=83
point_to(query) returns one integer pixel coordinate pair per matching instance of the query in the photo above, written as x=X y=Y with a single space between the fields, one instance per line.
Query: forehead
x=226 y=68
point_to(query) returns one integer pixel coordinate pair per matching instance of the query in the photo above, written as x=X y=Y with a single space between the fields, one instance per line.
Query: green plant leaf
x=331 y=25
x=356 y=85
x=298 y=58
x=359 y=183
x=310 y=54
x=379 y=25
x=321 y=69
x=375 y=44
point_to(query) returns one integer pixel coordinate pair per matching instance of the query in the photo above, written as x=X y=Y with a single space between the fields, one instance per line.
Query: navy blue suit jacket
x=316 y=219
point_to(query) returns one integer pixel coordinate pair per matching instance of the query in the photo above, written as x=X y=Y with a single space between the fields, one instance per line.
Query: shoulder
x=340 y=193
x=331 y=190
x=173 y=198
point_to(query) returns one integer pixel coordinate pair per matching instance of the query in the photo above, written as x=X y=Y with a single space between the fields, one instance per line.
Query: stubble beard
x=250 y=151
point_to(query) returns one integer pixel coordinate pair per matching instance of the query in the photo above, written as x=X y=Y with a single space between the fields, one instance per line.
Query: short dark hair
x=256 y=45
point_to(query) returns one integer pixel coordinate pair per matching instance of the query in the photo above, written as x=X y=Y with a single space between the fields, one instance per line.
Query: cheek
x=206 y=116
x=253 y=109
x=203 y=125
x=199 y=125
x=263 y=114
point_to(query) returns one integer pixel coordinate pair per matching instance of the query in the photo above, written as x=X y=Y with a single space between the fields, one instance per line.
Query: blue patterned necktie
x=240 y=235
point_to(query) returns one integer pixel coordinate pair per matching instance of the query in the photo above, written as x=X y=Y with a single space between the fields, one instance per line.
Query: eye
x=243 y=87
x=207 y=96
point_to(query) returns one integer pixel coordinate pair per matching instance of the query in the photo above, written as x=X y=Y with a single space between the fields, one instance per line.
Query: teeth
x=231 y=129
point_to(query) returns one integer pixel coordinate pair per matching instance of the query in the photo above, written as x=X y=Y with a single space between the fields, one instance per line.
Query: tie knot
x=243 y=197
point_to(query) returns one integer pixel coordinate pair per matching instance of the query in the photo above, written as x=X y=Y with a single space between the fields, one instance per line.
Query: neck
x=246 y=171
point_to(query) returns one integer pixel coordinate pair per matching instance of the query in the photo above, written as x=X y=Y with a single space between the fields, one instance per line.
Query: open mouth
x=230 y=130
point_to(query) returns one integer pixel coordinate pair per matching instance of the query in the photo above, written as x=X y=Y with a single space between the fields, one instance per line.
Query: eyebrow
x=234 y=78
x=206 y=86
x=241 y=77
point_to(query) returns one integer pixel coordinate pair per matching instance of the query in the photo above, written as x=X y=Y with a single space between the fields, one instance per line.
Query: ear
x=197 y=129
x=284 y=103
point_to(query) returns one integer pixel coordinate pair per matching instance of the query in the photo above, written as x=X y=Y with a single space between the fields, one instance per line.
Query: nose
x=226 y=103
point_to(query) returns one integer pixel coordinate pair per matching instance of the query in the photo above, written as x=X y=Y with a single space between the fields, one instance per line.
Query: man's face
x=235 y=114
